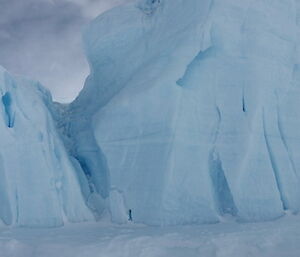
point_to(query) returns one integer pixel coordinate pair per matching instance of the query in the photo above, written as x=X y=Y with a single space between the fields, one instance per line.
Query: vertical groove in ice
x=274 y=166
x=222 y=193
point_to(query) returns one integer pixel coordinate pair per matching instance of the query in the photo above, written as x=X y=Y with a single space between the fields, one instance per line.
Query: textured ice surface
x=38 y=184
x=190 y=114
x=191 y=110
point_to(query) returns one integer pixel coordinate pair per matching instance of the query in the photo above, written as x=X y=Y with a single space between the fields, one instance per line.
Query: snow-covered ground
x=280 y=238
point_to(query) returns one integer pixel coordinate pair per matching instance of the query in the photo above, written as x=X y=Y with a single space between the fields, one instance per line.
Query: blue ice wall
x=190 y=113
x=38 y=183
x=194 y=107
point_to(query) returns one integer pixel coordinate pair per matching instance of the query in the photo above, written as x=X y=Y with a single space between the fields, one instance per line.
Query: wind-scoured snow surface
x=268 y=239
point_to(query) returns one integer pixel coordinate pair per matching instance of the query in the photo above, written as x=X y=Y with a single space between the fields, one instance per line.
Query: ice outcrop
x=192 y=109
x=38 y=184
x=190 y=113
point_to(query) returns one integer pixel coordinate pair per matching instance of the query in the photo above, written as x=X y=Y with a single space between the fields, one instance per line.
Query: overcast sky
x=41 y=39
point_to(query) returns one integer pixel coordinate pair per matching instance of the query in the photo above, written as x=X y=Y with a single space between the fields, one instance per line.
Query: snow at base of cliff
x=269 y=239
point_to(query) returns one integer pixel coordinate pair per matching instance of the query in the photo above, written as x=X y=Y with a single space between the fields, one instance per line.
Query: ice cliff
x=38 y=184
x=190 y=113
x=194 y=107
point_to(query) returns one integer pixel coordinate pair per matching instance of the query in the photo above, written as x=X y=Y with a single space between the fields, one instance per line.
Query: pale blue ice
x=190 y=114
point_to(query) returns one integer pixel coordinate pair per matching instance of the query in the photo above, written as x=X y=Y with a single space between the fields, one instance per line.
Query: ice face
x=190 y=113
x=193 y=107
x=38 y=184
x=145 y=164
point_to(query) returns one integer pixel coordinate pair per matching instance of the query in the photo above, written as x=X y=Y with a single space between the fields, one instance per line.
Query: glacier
x=38 y=183
x=189 y=115
x=193 y=105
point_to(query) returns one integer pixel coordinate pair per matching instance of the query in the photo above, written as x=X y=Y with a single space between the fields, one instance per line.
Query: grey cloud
x=41 y=39
x=92 y=8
